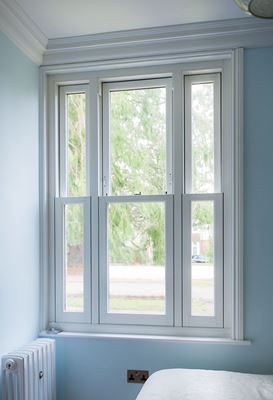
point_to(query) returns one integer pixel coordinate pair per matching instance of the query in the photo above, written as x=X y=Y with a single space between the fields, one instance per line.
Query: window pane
x=138 y=141
x=76 y=144
x=136 y=258
x=74 y=259
x=202 y=137
x=202 y=298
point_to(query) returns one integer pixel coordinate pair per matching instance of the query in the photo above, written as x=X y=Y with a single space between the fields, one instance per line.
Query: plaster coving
x=150 y=42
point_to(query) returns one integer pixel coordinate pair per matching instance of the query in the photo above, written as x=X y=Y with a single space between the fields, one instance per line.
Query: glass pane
x=74 y=259
x=202 y=233
x=136 y=258
x=202 y=138
x=76 y=144
x=138 y=141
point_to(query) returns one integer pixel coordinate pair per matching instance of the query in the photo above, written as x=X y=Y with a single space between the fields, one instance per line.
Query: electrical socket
x=137 y=376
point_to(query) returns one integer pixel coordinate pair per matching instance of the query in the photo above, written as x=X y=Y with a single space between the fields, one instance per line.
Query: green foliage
x=138 y=158
x=202 y=221
x=136 y=233
x=138 y=141
x=74 y=235
x=76 y=152
x=76 y=174
x=202 y=138
x=138 y=164
x=202 y=214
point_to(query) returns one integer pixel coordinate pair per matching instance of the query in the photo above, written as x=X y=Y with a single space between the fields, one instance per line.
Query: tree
x=76 y=177
x=138 y=165
x=138 y=161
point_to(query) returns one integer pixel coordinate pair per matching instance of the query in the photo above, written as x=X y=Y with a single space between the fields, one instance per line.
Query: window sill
x=174 y=339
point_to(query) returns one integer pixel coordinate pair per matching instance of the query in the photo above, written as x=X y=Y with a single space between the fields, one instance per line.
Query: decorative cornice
x=168 y=40
x=151 y=43
x=21 y=30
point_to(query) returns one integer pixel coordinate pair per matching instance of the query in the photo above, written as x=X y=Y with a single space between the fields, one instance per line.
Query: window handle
x=170 y=178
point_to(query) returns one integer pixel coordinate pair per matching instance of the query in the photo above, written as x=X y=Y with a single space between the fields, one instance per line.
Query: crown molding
x=160 y=41
x=148 y=43
x=22 y=31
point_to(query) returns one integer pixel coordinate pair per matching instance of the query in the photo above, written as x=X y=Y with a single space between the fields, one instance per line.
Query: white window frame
x=137 y=319
x=64 y=91
x=217 y=197
x=61 y=315
x=107 y=198
x=217 y=319
x=216 y=80
x=109 y=87
x=62 y=200
x=230 y=64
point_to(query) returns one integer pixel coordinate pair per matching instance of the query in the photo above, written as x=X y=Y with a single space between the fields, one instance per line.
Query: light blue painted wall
x=19 y=202
x=96 y=369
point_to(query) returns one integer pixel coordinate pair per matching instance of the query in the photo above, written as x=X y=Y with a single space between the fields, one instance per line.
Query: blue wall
x=95 y=369
x=19 y=202
x=91 y=369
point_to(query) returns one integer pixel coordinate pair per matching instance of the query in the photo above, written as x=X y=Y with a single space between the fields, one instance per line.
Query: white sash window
x=142 y=212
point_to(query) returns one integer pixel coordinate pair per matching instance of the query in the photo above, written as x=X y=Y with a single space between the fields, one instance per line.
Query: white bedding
x=196 y=384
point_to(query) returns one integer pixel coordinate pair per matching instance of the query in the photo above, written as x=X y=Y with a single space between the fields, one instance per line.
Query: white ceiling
x=64 y=18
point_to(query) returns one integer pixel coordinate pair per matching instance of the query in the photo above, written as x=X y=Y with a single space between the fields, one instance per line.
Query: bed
x=196 y=384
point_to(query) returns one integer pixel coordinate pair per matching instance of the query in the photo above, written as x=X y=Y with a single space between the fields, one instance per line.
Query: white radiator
x=29 y=373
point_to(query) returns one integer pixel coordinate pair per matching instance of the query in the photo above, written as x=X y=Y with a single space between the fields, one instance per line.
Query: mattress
x=195 y=384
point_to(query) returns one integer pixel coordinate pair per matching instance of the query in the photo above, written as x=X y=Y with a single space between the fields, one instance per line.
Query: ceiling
x=64 y=18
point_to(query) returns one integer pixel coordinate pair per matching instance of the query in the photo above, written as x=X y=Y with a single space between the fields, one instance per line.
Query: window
x=135 y=209
x=203 y=208
x=141 y=194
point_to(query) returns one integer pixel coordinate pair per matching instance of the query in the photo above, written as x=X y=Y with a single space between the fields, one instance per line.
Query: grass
x=137 y=304
x=202 y=307
x=74 y=303
x=142 y=304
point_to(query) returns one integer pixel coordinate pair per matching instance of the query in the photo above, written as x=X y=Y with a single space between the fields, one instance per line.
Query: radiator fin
x=29 y=372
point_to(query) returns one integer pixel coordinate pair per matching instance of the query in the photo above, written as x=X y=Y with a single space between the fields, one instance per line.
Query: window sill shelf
x=175 y=339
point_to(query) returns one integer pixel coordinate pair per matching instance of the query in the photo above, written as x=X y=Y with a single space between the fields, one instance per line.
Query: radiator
x=29 y=373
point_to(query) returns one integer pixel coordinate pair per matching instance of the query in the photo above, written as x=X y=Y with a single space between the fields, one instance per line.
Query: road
x=146 y=281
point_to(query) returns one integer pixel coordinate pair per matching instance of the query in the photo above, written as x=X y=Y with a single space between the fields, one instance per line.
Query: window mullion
x=169 y=137
x=188 y=134
x=217 y=133
x=186 y=261
x=63 y=141
x=106 y=143
x=219 y=260
x=94 y=99
x=178 y=173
